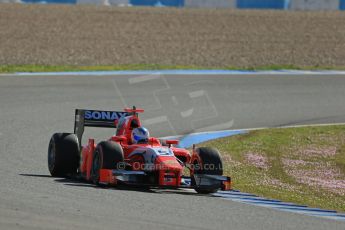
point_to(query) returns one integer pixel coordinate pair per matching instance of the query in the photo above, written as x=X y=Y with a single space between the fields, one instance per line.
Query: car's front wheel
x=107 y=155
x=208 y=161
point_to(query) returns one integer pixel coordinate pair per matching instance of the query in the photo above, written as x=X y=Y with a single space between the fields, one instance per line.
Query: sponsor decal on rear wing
x=95 y=118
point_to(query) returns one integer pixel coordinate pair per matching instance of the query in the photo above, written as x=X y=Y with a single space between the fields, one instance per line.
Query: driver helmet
x=140 y=135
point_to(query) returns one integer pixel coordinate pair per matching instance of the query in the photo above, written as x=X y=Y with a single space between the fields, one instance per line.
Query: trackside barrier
x=93 y=2
x=174 y=3
x=314 y=5
x=342 y=5
x=10 y=1
x=240 y=4
x=104 y=2
x=210 y=3
x=51 y=1
x=262 y=4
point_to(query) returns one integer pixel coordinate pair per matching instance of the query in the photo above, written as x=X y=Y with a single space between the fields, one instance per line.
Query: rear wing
x=95 y=118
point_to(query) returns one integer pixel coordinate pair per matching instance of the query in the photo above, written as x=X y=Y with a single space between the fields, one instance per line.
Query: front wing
x=202 y=181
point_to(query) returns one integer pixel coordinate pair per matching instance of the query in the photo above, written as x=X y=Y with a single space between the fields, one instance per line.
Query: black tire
x=107 y=155
x=211 y=164
x=63 y=154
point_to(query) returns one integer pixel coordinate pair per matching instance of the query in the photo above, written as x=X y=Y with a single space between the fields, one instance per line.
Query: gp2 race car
x=122 y=160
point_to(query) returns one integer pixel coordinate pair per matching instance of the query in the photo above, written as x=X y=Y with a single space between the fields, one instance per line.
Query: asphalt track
x=34 y=107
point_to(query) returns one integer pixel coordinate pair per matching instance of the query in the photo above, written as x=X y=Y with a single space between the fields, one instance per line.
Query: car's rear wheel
x=63 y=154
x=208 y=161
x=107 y=155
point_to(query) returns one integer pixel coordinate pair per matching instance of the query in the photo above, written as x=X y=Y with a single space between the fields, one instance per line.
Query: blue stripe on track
x=251 y=199
x=196 y=138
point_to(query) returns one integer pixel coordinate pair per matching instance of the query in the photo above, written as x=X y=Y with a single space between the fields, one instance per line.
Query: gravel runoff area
x=99 y=35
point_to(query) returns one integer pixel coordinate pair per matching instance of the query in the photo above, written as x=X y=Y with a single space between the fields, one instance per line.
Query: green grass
x=52 y=68
x=276 y=180
x=64 y=68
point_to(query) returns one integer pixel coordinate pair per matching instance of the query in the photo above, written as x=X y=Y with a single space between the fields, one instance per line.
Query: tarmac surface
x=34 y=107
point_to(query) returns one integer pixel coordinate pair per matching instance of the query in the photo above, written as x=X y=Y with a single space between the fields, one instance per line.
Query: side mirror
x=171 y=142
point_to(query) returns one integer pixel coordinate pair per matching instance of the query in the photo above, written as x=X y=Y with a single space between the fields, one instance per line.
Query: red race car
x=132 y=157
